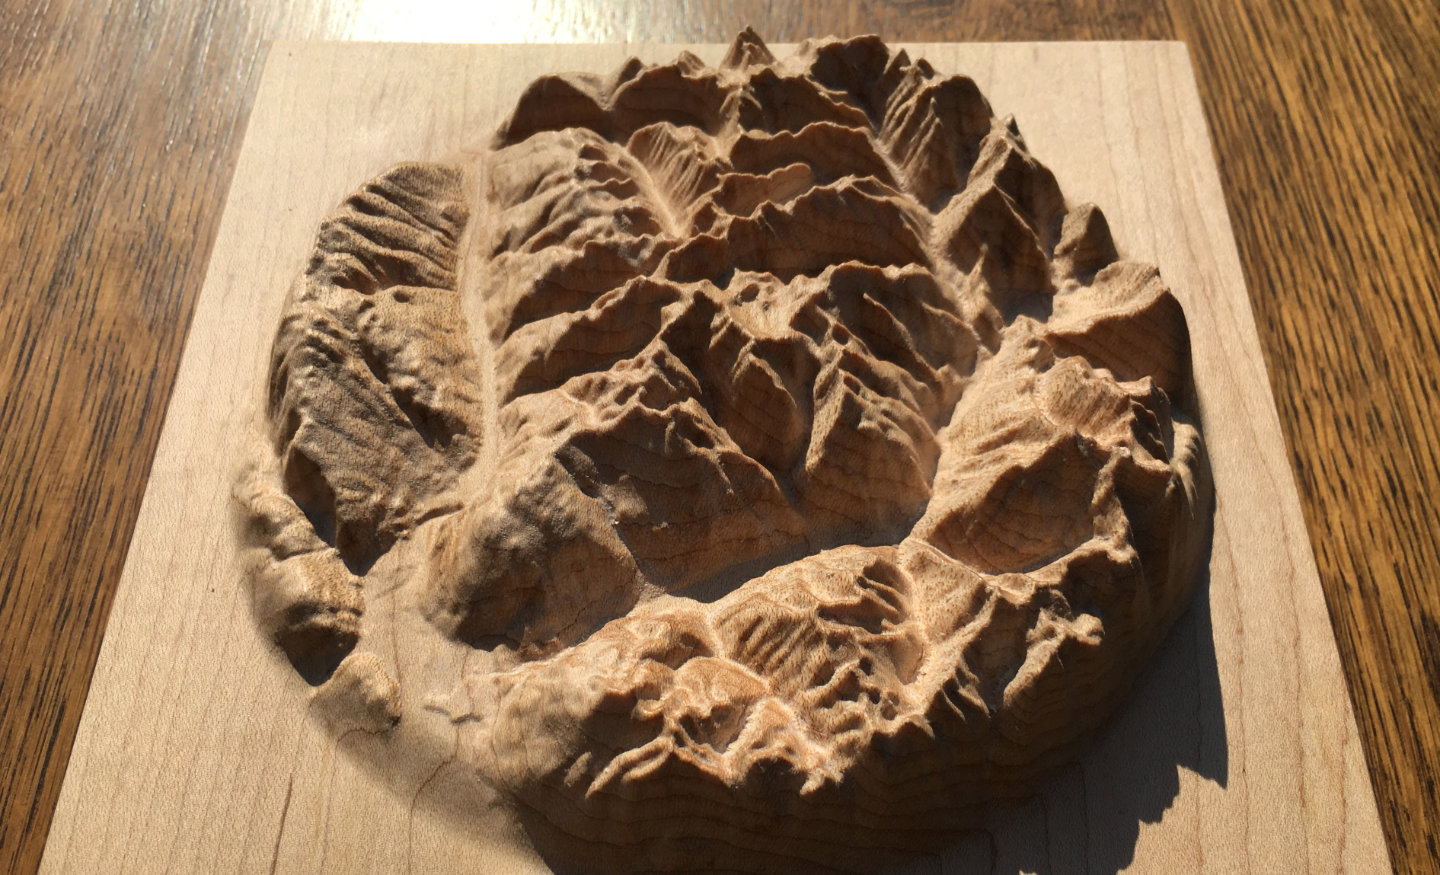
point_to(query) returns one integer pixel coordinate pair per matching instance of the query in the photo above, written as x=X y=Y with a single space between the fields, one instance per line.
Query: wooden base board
x=1238 y=750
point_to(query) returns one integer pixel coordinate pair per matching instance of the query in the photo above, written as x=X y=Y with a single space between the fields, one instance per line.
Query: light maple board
x=1237 y=751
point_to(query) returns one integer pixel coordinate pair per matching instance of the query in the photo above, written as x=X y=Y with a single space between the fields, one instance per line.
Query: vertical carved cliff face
x=781 y=419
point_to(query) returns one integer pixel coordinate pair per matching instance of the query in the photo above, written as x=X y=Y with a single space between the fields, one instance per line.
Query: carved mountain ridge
x=813 y=458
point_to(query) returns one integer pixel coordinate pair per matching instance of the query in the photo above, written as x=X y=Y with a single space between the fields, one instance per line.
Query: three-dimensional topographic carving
x=790 y=468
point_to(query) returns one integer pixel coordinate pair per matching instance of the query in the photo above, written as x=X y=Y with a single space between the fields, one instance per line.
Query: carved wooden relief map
x=795 y=465
x=741 y=460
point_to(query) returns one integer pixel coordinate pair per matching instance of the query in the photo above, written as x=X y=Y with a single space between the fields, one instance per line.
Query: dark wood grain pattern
x=121 y=123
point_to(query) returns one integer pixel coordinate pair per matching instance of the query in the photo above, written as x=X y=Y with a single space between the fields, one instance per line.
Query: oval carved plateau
x=741 y=467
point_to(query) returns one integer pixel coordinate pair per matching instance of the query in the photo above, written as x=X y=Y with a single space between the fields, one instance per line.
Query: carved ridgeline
x=812 y=459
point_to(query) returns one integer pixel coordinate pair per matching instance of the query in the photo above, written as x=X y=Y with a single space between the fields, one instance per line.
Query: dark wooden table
x=120 y=123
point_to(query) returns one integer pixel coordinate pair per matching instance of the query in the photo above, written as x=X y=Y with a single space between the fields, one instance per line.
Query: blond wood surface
x=491 y=435
x=1238 y=749
x=1317 y=109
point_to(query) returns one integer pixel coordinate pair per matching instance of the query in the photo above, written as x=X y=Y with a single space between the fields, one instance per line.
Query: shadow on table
x=1088 y=818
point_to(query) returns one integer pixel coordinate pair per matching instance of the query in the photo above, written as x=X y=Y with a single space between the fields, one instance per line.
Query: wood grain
x=760 y=353
x=1238 y=749
x=122 y=128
